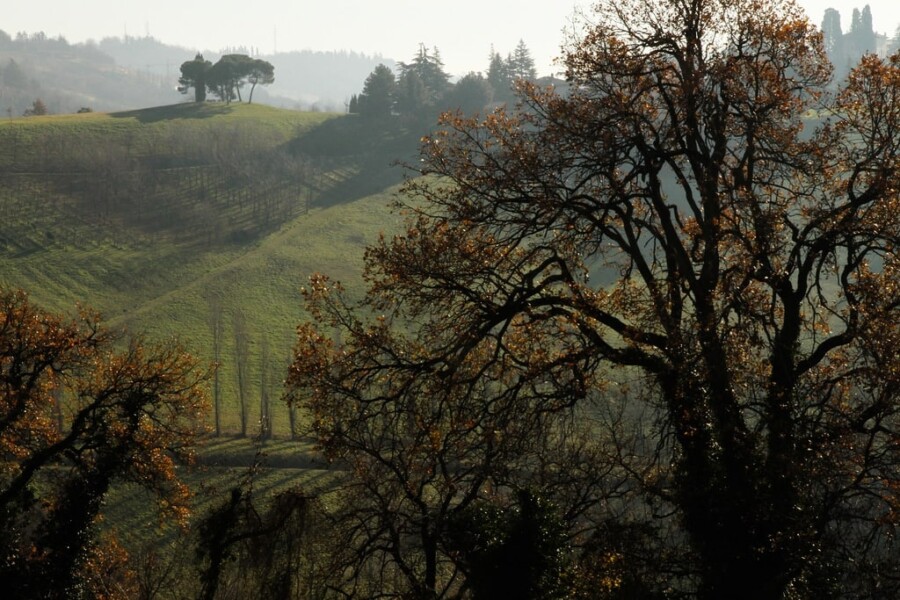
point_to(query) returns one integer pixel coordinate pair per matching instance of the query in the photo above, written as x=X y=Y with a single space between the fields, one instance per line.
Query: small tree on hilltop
x=231 y=72
x=225 y=79
x=194 y=74
x=38 y=108
x=259 y=72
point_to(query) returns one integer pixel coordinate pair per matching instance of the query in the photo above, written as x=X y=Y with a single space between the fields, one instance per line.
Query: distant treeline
x=136 y=72
x=845 y=48
x=67 y=77
x=307 y=79
x=422 y=88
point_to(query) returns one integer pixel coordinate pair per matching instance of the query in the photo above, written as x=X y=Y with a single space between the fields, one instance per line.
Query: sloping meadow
x=196 y=221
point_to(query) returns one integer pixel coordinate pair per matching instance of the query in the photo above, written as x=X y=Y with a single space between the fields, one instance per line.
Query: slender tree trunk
x=199 y=91
x=241 y=357
x=58 y=410
x=429 y=548
x=728 y=510
x=215 y=323
x=265 y=421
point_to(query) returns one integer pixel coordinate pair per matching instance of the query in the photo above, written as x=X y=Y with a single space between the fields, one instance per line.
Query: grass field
x=153 y=217
x=223 y=464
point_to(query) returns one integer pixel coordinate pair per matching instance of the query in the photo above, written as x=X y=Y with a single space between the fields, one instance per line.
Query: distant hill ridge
x=131 y=73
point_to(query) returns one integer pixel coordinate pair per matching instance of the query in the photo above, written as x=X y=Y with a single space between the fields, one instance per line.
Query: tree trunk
x=215 y=323
x=265 y=420
x=743 y=541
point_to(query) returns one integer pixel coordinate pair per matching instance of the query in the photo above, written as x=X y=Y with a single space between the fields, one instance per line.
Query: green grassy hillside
x=163 y=218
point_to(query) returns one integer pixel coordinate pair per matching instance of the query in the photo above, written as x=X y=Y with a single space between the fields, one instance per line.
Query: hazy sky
x=463 y=30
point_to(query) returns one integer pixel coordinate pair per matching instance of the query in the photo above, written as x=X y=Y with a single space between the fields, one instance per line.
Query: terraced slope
x=170 y=219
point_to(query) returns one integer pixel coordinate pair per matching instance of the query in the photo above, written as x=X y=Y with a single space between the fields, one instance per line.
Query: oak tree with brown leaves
x=421 y=453
x=700 y=229
x=131 y=411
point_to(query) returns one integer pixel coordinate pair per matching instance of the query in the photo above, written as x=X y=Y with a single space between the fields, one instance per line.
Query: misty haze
x=586 y=300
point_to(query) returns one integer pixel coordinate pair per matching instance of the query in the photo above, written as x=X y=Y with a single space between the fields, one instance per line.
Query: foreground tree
x=425 y=453
x=268 y=547
x=749 y=288
x=512 y=553
x=133 y=411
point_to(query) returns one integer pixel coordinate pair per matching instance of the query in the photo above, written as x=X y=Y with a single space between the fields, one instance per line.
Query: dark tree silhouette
x=134 y=410
x=700 y=222
x=194 y=74
x=377 y=97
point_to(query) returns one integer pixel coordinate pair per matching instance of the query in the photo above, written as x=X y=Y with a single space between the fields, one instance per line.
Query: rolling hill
x=171 y=219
